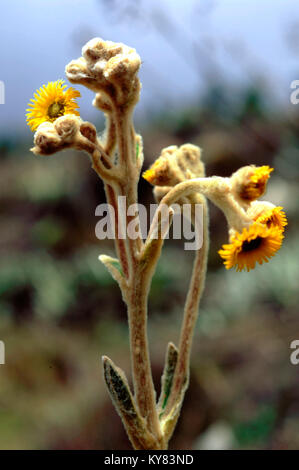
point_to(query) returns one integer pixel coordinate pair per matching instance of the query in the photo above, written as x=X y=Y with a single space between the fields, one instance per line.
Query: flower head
x=258 y=243
x=249 y=183
x=159 y=173
x=175 y=165
x=266 y=213
x=50 y=102
x=275 y=217
x=257 y=184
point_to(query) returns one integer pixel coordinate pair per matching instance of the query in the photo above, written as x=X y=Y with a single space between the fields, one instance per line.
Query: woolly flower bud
x=46 y=140
x=189 y=161
x=89 y=131
x=249 y=182
x=105 y=66
x=175 y=165
x=164 y=171
x=67 y=127
x=51 y=137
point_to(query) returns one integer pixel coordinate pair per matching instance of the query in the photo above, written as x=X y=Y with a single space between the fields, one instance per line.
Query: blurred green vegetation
x=60 y=310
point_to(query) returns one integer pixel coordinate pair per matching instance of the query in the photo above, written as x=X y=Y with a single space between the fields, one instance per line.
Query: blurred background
x=216 y=74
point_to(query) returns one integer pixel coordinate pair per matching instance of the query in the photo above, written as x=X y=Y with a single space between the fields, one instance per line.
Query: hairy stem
x=181 y=374
x=137 y=288
x=141 y=367
x=120 y=243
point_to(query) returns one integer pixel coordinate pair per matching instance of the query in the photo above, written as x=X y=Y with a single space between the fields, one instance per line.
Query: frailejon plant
x=255 y=228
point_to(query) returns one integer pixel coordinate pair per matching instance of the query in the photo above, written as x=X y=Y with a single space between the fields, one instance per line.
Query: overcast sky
x=184 y=45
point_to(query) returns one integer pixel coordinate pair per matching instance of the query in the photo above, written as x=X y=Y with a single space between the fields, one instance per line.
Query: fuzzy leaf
x=167 y=377
x=125 y=405
x=113 y=266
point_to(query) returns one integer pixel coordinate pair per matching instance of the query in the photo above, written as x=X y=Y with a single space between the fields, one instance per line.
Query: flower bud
x=67 y=126
x=88 y=131
x=249 y=182
x=110 y=68
x=175 y=165
x=46 y=140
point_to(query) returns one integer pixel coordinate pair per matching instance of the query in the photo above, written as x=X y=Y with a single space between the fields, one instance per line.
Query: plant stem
x=181 y=374
x=141 y=368
x=137 y=286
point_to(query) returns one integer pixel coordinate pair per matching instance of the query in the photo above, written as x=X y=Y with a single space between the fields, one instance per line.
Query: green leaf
x=167 y=377
x=117 y=265
x=113 y=266
x=126 y=407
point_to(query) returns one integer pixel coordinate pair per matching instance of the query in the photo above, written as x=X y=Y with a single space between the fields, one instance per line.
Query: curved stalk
x=196 y=286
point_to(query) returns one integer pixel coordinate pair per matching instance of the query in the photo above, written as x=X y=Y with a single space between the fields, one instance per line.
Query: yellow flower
x=273 y=217
x=152 y=173
x=249 y=183
x=51 y=102
x=256 y=186
x=266 y=213
x=163 y=172
x=257 y=243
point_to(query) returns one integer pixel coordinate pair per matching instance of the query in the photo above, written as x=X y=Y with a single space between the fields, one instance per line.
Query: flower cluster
x=258 y=242
x=109 y=69
x=255 y=227
x=176 y=165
